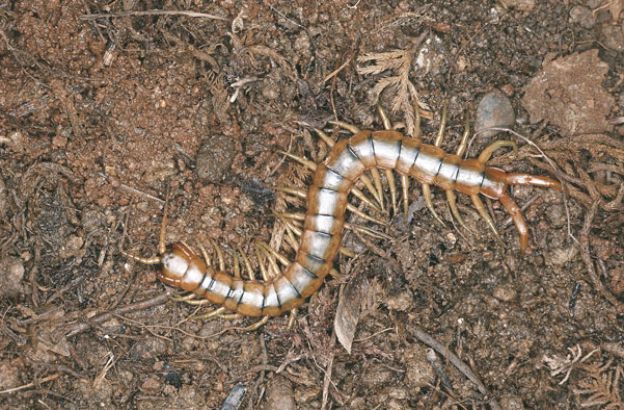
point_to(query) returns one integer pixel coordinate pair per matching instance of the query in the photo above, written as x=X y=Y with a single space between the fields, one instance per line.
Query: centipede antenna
x=303 y=161
x=486 y=217
x=346 y=126
x=404 y=194
x=154 y=260
x=461 y=149
x=384 y=118
x=378 y=187
x=426 y=190
x=393 y=192
x=486 y=154
x=438 y=140
x=326 y=138
x=452 y=201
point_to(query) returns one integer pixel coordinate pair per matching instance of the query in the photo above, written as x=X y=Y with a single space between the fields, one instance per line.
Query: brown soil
x=102 y=119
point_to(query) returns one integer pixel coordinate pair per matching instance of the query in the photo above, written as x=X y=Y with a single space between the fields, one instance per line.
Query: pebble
x=582 y=16
x=215 y=157
x=504 y=293
x=613 y=37
x=280 y=394
x=524 y=6
x=494 y=110
x=511 y=403
x=11 y=275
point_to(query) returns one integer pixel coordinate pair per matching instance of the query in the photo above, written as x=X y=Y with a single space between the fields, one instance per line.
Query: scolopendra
x=324 y=220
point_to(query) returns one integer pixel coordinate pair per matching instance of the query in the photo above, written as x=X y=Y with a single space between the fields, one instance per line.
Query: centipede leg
x=452 y=201
x=426 y=190
x=438 y=140
x=378 y=187
x=255 y=326
x=463 y=145
x=450 y=194
x=291 y=319
x=486 y=217
x=219 y=312
x=516 y=216
x=393 y=192
x=486 y=154
x=404 y=194
x=349 y=127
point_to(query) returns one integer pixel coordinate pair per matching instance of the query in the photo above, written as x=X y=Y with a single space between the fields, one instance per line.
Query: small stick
x=186 y=13
x=103 y=317
x=31 y=384
x=456 y=361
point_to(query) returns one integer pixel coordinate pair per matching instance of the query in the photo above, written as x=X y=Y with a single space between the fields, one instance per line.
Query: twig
x=32 y=384
x=103 y=317
x=456 y=361
x=328 y=370
x=185 y=13
x=587 y=259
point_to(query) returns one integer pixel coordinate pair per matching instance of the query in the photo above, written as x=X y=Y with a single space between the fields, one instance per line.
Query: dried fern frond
x=560 y=365
x=398 y=63
x=601 y=387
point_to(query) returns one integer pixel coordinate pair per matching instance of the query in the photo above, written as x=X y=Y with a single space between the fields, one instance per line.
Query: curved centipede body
x=324 y=221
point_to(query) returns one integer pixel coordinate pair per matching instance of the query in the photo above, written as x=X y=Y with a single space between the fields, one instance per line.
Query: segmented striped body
x=324 y=221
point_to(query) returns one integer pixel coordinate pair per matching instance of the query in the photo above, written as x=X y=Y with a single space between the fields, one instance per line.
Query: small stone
x=582 y=16
x=613 y=37
x=511 y=403
x=400 y=301
x=11 y=276
x=525 y=6
x=150 y=385
x=215 y=157
x=504 y=293
x=616 y=280
x=72 y=247
x=494 y=111
x=59 y=141
x=280 y=394
x=556 y=215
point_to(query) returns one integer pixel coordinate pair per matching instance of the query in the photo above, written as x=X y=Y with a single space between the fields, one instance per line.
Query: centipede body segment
x=324 y=222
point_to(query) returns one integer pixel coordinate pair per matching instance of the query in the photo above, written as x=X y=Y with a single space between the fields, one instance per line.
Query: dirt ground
x=108 y=108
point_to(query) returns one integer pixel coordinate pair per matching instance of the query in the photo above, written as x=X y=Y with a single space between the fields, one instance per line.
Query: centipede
x=323 y=223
